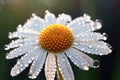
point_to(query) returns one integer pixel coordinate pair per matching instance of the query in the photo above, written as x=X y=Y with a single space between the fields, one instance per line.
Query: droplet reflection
x=96 y=64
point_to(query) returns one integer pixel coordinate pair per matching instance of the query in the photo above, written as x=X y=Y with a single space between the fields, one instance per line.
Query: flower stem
x=59 y=75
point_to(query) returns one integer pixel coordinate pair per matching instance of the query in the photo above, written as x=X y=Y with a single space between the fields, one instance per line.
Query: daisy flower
x=52 y=41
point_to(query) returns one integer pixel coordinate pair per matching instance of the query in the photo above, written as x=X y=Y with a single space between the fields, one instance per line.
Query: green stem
x=59 y=75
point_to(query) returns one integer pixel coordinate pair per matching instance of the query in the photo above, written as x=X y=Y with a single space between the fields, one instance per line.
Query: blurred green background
x=15 y=12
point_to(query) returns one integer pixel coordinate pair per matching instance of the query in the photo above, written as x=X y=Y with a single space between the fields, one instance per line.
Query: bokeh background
x=14 y=12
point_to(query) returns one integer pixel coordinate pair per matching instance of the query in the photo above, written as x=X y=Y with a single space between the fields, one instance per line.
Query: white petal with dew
x=80 y=59
x=78 y=27
x=27 y=33
x=37 y=64
x=87 y=27
x=50 y=66
x=20 y=43
x=65 y=67
x=89 y=36
x=20 y=51
x=49 y=18
x=35 y=23
x=80 y=20
x=63 y=19
x=24 y=62
x=77 y=59
x=93 y=47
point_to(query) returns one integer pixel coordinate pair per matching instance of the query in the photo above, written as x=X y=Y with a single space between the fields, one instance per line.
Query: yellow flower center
x=56 y=38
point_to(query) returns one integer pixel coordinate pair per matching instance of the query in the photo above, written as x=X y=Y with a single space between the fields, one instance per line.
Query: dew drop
x=19 y=28
x=75 y=43
x=6 y=47
x=96 y=64
x=18 y=62
x=20 y=44
x=85 y=67
x=26 y=65
x=77 y=35
x=63 y=60
x=105 y=34
x=105 y=38
x=87 y=17
x=110 y=46
x=7 y=56
x=98 y=24
x=90 y=46
x=29 y=61
x=33 y=14
x=83 y=49
x=10 y=35
x=31 y=76
x=70 y=56
x=17 y=71
x=21 y=65
x=98 y=20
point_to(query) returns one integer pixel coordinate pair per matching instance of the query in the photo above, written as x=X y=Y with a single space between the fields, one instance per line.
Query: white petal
x=93 y=47
x=63 y=19
x=35 y=23
x=78 y=27
x=20 y=50
x=49 y=18
x=14 y=44
x=19 y=43
x=37 y=64
x=80 y=59
x=23 y=34
x=65 y=67
x=79 y=21
x=90 y=36
x=50 y=66
x=23 y=62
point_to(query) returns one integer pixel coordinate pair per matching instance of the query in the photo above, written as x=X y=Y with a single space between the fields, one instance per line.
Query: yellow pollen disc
x=56 y=38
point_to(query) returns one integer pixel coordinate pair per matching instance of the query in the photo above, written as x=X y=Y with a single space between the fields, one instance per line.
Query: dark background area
x=15 y=12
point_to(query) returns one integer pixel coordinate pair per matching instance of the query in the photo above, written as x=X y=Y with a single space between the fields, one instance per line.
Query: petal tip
x=14 y=72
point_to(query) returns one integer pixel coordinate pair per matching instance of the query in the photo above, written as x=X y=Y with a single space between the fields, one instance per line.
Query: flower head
x=52 y=41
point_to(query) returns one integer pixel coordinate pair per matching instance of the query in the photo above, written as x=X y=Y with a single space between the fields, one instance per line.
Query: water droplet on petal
x=70 y=56
x=26 y=65
x=98 y=24
x=19 y=28
x=33 y=14
x=6 y=47
x=109 y=46
x=85 y=67
x=98 y=20
x=96 y=64
x=7 y=56
x=31 y=76
x=10 y=35
x=87 y=17
x=47 y=12
x=75 y=43
x=105 y=38
x=90 y=46
x=17 y=71
x=105 y=34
